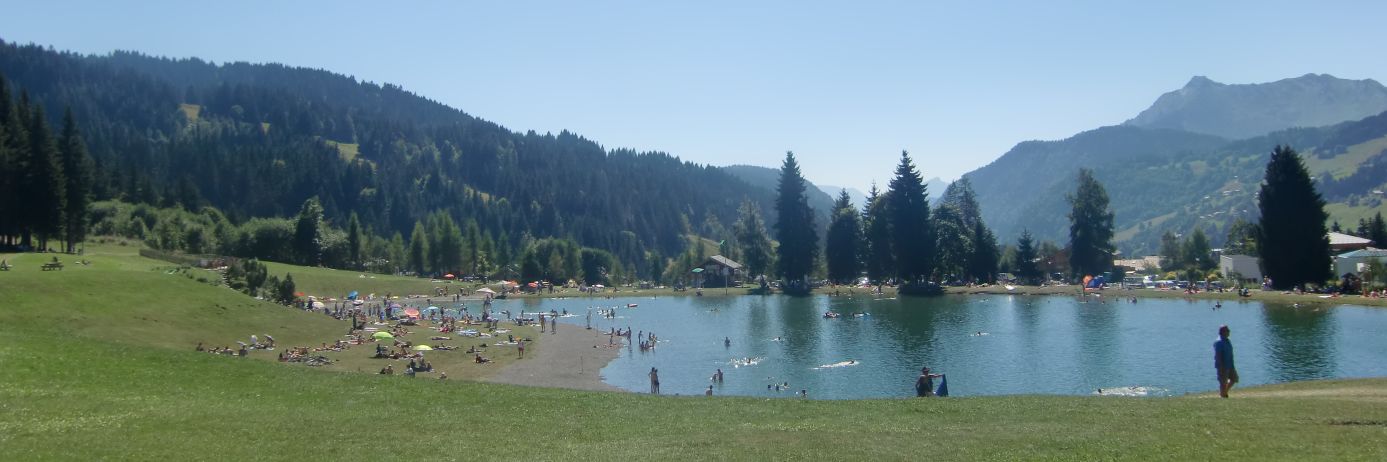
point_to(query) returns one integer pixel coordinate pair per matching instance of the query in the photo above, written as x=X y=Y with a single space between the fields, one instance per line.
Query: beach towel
x=943 y=386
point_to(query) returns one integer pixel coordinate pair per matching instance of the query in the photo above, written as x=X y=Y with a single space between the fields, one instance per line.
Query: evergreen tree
x=959 y=195
x=799 y=243
x=1377 y=231
x=308 y=233
x=287 y=289
x=354 y=240
x=77 y=168
x=450 y=245
x=954 y=243
x=1090 y=228
x=982 y=266
x=844 y=242
x=395 y=253
x=1294 y=240
x=912 y=236
x=41 y=191
x=10 y=165
x=876 y=222
x=1026 y=268
x=751 y=234
x=418 y=249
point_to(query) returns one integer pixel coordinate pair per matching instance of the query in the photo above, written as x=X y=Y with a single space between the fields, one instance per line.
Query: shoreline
x=1068 y=290
x=572 y=359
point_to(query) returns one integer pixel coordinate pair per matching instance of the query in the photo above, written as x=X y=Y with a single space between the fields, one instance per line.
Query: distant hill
x=257 y=140
x=935 y=186
x=1248 y=110
x=1162 y=179
x=768 y=179
x=858 y=197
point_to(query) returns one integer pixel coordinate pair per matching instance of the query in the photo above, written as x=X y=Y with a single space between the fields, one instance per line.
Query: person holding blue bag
x=924 y=385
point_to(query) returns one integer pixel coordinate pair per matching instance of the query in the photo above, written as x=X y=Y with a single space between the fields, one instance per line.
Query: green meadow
x=98 y=363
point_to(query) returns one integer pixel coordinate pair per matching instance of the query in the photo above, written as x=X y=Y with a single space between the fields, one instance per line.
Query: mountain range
x=257 y=140
x=1194 y=159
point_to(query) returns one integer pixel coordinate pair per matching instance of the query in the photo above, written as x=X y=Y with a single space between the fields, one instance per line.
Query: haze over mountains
x=1248 y=110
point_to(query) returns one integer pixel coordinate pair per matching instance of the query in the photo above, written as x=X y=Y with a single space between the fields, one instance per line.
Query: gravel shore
x=567 y=359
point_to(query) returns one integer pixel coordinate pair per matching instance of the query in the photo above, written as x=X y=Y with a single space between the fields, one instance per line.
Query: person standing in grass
x=521 y=345
x=1223 y=362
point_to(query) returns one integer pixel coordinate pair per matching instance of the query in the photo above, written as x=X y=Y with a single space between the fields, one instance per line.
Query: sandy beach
x=563 y=360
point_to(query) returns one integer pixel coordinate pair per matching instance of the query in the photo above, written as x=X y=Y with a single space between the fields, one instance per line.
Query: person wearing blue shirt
x=1223 y=362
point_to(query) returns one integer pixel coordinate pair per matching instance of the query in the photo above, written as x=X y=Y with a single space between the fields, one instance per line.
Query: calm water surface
x=1028 y=344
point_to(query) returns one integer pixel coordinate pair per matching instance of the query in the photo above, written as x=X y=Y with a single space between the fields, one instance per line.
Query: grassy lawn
x=328 y=282
x=98 y=364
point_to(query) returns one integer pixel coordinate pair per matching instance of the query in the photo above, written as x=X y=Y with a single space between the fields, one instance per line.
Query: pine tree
x=354 y=239
x=1294 y=240
x=959 y=195
x=844 y=242
x=1026 y=268
x=42 y=189
x=954 y=242
x=912 y=236
x=1377 y=231
x=77 y=167
x=418 y=249
x=1090 y=228
x=751 y=234
x=876 y=223
x=308 y=233
x=799 y=243
x=982 y=266
x=10 y=165
x=395 y=252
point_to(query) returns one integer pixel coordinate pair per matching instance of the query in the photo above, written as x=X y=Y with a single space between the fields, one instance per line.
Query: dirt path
x=563 y=360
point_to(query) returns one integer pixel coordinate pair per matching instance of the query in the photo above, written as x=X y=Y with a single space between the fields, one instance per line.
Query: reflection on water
x=1299 y=342
x=1053 y=345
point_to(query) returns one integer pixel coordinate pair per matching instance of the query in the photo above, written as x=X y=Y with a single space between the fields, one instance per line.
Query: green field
x=328 y=282
x=98 y=364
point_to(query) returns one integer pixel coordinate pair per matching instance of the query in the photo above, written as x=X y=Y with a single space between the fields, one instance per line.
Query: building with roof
x=719 y=271
x=1243 y=267
x=1356 y=262
x=1340 y=242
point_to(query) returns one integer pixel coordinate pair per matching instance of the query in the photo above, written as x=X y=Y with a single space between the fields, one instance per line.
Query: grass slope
x=328 y=282
x=97 y=365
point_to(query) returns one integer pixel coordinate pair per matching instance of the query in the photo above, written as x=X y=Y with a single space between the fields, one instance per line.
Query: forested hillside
x=259 y=140
x=1169 y=180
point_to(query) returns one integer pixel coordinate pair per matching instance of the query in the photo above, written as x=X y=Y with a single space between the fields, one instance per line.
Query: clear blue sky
x=846 y=85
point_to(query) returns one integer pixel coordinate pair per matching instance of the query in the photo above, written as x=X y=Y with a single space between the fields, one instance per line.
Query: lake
x=985 y=344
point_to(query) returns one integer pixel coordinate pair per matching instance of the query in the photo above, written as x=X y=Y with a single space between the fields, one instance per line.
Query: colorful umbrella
x=449 y=276
x=383 y=336
x=423 y=348
x=486 y=290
